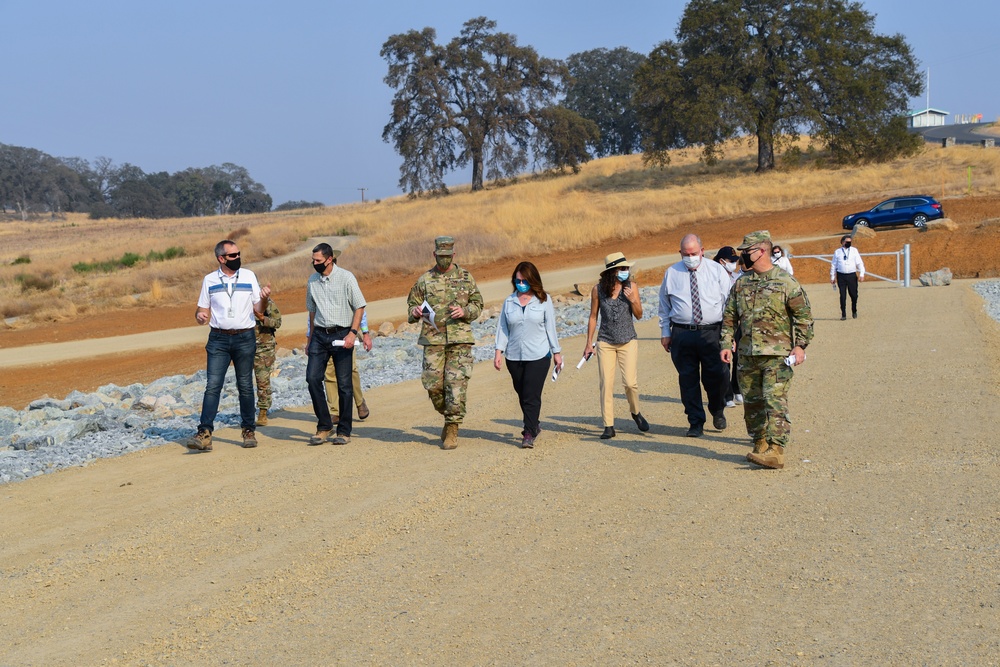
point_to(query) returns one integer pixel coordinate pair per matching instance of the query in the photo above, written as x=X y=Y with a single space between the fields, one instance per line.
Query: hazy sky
x=293 y=90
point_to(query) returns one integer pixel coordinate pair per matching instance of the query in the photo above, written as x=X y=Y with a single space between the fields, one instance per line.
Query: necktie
x=695 y=298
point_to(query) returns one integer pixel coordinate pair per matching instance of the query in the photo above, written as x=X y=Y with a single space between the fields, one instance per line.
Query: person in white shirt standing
x=846 y=270
x=230 y=296
x=692 y=297
x=780 y=259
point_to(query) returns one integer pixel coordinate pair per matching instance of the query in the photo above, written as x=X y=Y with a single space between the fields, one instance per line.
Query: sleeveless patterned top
x=616 y=325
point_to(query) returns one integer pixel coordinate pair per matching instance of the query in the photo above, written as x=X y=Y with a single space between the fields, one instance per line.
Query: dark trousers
x=222 y=350
x=696 y=357
x=848 y=284
x=321 y=350
x=529 y=379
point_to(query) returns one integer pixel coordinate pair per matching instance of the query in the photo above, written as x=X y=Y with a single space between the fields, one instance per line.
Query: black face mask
x=320 y=268
x=847 y=244
x=745 y=258
x=233 y=264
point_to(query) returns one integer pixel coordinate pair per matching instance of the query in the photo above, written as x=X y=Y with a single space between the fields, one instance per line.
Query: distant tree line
x=767 y=69
x=32 y=182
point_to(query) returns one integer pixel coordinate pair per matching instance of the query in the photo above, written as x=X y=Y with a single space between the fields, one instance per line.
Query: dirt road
x=876 y=545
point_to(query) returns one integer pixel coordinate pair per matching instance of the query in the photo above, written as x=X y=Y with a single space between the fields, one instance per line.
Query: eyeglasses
x=520 y=282
x=232 y=255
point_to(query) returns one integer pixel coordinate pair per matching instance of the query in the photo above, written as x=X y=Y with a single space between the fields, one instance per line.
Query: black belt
x=332 y=330
x=231 y=332
x=695 y=327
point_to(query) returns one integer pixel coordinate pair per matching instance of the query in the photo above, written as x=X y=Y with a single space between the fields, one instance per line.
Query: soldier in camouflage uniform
x=263 y=360
x=773 y=312
x=452 y=293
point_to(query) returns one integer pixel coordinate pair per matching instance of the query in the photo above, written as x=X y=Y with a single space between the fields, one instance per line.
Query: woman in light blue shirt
x=526 y=335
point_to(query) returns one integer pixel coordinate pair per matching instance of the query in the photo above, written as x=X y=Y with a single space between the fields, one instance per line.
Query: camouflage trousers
x=764 y=382
x=263 y=362
x=447 y=369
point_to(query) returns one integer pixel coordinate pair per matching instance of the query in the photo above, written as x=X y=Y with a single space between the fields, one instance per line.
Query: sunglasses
x=232 y=255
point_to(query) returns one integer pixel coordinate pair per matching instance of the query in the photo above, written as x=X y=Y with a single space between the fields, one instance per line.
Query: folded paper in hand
x=428 y=314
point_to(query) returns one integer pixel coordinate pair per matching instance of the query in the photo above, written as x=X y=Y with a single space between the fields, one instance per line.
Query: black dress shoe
x=609 y=432
x=854 y=315
x=641 y=422
x=843 y=317
x=696 y=431
x=719 y=421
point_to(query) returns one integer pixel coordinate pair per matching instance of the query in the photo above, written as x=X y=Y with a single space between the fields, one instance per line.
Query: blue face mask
x=522 y=286
x=623 y=275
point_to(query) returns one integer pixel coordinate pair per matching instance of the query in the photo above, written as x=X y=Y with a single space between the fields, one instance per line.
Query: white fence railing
x=902 y=256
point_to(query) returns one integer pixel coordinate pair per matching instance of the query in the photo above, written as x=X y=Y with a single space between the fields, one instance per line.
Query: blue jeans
x=321 y=349
x=223 y=349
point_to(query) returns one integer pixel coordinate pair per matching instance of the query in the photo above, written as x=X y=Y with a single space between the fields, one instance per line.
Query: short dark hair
x=220 y=247
x=844 y=237
x=326 y=249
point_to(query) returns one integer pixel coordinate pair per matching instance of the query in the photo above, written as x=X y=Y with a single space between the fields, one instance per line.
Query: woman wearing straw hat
x=616 y=298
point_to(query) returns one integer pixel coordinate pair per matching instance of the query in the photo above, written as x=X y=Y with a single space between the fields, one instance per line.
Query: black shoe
x=854 y=315
x=609 y=432
x=696 y=431
x=843 y=317
x=719 y=421
x=641 y=422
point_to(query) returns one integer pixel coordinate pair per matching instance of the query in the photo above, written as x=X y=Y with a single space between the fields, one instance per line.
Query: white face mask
x=776 y=255
x=691 y=262
x=730 y=266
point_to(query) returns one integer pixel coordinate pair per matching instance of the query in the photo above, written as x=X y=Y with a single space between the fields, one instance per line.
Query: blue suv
x=913 y=210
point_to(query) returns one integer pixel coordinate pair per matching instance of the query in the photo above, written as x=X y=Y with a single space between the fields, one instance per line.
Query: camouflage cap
x=444 y=245
x=754 y=238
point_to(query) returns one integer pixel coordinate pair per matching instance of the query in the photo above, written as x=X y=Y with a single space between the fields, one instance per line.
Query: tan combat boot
x=450 y=440
x=773 y=457
x=262 y=417
x=759 y=447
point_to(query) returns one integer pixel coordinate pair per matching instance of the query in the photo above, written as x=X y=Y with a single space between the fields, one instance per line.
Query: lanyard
x=230 y=290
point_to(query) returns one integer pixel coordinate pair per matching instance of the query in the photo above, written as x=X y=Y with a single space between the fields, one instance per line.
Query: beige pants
x=331 y=386
x=624 y=358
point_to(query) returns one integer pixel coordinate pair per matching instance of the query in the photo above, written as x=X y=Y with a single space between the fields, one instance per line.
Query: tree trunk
x=765 y=148
x=477 y=169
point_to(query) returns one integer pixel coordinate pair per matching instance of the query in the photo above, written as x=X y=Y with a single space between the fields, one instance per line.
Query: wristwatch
x=354 y=331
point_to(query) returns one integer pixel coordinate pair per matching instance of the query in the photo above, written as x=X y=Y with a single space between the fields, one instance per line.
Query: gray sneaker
x=340 y=440
x=249 y=439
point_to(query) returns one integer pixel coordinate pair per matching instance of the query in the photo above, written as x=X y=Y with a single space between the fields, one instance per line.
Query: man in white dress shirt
x=846 y=270
x=689 y=332
x=230 y=296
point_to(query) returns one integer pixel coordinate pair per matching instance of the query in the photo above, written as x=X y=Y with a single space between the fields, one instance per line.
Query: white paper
x=428 y=314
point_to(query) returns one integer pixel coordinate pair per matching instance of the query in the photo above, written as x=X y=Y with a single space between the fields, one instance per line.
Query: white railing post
x=906 y=265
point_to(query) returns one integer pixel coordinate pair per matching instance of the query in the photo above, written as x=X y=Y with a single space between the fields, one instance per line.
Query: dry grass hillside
x=614 y=199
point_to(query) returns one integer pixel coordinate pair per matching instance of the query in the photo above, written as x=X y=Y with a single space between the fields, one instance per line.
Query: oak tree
x=473 y=101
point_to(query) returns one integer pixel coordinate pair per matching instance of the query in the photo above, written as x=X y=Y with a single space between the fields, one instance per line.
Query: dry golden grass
x=613 y=198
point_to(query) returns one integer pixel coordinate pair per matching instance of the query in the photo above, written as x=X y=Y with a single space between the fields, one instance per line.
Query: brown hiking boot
x=249 y=439
x=262 y=417
x=201 y=442
x=759 y=447
x=450 y=439
x=773 y=457
x=320 y=437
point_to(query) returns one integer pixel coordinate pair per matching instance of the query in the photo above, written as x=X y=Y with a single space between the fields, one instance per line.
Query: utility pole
x=362 y=194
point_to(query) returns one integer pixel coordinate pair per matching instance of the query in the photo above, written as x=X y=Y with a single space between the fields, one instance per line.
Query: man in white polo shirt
x=335 y=305
x=229 y=297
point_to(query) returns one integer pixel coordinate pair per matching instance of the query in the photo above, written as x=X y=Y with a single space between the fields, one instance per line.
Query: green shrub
x=23 y=259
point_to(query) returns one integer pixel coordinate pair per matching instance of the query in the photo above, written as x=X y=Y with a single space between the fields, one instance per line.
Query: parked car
x=913 y=210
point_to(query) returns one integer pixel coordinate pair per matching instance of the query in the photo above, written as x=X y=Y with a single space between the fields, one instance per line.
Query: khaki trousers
x=625 y=359
x=331 y=386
